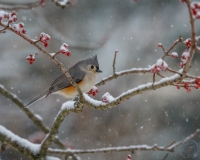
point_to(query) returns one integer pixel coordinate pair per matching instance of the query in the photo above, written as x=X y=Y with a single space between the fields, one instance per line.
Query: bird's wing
x=63 y=82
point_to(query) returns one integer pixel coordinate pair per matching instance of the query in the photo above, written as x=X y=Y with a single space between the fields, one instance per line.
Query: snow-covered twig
x=67 y=108
x=197 y=132
x=18 y=143
x=168 y=148
x=130 y=93
x=121 y=73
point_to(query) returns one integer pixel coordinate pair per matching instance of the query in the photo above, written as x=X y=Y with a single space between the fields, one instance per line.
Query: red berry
x=159 y=44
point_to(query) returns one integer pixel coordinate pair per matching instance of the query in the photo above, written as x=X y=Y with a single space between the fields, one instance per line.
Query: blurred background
x=96 y=27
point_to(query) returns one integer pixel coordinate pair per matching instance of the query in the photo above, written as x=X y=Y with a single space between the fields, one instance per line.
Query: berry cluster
x=188 y=42
x=128 y=157
x=30 y=58
x=93 y=91
x=64 y=49
x=19 y=28
x=174 y=55
x=195 y=8
x=160 y=45
x=44 y=38
x=107 y=98
x=184 y=57
x=159 y=66
x=12 y=17
x=190 y=84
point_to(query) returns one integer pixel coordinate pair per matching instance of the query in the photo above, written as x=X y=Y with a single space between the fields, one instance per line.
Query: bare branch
x=166 y=155
x=197 y=132
x=193 y=44
x=114 y=61
x=166 y=53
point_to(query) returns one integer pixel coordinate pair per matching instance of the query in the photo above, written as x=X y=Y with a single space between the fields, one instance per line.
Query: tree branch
x=67 y=108
x=18 y=143
x=193 y=43
x=168 y=148
x=121 y=73
x=114 y=61
x=130 y=93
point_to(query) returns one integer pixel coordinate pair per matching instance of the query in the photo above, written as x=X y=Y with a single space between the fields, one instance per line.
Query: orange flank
x=70 y=91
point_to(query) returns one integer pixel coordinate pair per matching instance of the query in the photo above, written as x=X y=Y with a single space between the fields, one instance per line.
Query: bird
x=84 y=73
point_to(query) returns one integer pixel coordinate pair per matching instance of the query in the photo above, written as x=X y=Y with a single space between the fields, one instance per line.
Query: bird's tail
x=43 y=95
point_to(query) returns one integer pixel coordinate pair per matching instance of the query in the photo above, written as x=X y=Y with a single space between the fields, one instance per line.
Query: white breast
x=90 y=80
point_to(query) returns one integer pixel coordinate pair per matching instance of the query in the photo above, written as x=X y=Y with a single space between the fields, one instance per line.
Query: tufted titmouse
x=84 y=73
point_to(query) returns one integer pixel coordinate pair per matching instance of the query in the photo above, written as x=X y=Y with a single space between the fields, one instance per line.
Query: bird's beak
x=99 y=71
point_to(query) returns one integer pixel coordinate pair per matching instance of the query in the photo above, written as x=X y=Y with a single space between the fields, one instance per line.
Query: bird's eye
x=92 y=66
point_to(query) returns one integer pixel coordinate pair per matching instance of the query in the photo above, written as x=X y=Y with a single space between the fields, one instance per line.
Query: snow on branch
x=19 y=143
x=132 y=148
x=132 y=92
x=121 y=73
x=66 y=109
x=108 y=100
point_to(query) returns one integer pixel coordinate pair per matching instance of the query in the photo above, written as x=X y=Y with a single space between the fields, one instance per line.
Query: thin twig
x=166 y=53
x=193 y=43
x=168 y=148
x=121 y=73
x=170 y=144
x=166 y=155
x=114 y=61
